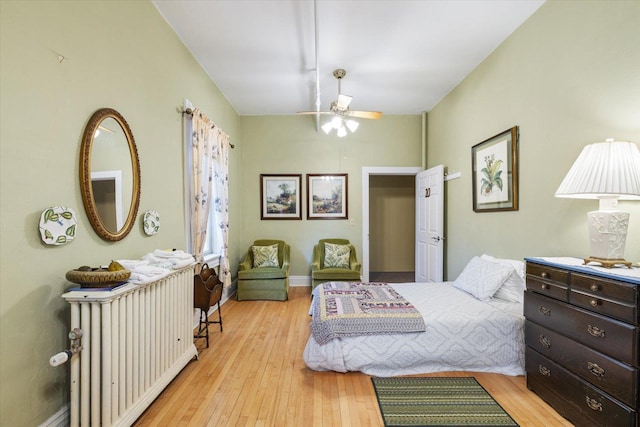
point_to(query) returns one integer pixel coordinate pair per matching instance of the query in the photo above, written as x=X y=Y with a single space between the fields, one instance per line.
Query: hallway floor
x=392 y=276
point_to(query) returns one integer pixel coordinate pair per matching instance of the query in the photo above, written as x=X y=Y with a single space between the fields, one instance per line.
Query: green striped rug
x=437 y=401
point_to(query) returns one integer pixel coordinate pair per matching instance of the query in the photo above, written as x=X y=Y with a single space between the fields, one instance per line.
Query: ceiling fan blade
x=343 y=101
x=364 y=114
x=314 y=112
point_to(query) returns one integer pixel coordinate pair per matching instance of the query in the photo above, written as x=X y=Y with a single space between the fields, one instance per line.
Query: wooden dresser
x=582 y=335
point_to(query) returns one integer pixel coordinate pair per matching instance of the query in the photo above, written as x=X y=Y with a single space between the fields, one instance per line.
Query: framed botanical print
x=495 y=172
x=327 y=196
x=280 y=196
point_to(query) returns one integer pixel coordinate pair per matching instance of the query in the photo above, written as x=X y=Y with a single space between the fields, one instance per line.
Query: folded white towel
x=169 y=263
x=172 y=254
x=132 y=264
x=150 y=270
x=141 y=279
x=178 y=264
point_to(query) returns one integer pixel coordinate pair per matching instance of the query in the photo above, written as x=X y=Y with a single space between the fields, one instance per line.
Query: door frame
x=368 y=171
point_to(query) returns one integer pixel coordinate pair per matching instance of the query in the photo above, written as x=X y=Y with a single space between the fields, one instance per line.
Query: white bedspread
x=462 y=334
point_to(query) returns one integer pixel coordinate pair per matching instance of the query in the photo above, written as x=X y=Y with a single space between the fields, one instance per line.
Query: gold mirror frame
x=85 y=175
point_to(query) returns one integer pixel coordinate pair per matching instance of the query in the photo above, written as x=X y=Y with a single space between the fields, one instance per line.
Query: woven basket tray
x=97 y=278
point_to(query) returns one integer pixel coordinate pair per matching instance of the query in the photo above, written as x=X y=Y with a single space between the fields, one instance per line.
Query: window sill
x=212 y=260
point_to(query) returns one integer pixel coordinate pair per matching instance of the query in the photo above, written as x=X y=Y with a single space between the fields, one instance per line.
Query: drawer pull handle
x=594 y=404
x=544 y=275
x=594 y=303
x=544 y=286
x=545 y=341
x=594 y=287
x=545 y=311
x=595 y=369
x=544 y=371
x=595 y=331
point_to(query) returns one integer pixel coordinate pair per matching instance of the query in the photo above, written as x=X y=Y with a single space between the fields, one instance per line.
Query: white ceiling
x=401 y=56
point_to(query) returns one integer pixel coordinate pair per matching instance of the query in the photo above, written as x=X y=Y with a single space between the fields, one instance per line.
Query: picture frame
x=327 y=196
x=495 y=172
x=280 y=196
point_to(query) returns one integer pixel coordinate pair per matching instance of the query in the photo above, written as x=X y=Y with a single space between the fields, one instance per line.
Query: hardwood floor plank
x=253 y=374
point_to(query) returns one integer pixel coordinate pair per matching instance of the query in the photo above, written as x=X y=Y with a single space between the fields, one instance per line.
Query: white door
x=430 y=224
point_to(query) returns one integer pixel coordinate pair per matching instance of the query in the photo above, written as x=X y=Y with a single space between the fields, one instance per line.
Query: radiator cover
x=136 y=339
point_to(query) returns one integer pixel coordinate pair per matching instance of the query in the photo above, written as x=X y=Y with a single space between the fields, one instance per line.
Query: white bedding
x=463 y=334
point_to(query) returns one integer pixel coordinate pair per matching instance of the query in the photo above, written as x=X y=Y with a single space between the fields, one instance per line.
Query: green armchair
x=260 y=276
x=349 y=272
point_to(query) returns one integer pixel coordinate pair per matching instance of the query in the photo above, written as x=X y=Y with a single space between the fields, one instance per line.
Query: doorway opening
x=388 y=223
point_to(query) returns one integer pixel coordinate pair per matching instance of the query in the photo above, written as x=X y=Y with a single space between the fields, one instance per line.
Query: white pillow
x=482 y=278
x=518 y=266
x=513 y=288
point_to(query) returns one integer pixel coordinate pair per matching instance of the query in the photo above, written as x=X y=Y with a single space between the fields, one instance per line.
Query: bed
x=474 y=323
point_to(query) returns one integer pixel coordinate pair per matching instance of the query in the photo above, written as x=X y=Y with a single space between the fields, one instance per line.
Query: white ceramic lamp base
x=607 y=237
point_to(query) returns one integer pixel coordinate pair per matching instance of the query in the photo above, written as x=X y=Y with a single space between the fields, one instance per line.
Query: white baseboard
x=299 y=280
x=60 y=418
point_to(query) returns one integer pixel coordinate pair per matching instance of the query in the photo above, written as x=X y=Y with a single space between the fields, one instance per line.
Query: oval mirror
x=109 y=174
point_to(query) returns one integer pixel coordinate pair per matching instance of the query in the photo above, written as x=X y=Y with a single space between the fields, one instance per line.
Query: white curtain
x=221 y=205
x=202 y=144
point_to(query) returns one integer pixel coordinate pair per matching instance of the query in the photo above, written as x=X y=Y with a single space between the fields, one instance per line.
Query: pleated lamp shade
x=607 y=171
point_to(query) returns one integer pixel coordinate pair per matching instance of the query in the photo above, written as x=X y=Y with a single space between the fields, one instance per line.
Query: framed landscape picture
x=280 y=196
x=327 y=196
x=495 y=172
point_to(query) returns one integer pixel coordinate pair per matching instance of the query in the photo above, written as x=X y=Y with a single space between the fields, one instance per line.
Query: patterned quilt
x=343 y=309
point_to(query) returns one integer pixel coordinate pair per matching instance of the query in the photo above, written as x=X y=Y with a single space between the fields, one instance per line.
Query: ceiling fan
x=340 y=109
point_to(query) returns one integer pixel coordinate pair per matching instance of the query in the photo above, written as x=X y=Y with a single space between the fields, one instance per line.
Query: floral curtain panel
x=210 y=155
x=221 y=206
x=202 y=142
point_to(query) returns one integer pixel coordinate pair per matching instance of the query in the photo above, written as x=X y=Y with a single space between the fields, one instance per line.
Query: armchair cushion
x=336 y=255
x=265 y=256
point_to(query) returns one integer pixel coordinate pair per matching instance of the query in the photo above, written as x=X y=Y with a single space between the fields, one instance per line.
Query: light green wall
x=291 y=144
x=569 y=76
x=121 y=55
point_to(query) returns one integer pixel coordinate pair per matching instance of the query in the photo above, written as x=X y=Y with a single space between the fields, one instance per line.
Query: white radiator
x=136 y=339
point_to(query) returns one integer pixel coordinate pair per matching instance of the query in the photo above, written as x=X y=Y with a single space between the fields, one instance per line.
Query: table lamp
x=608 y=171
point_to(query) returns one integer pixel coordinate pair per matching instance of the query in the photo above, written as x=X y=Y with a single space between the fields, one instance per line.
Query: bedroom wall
x=291 y=144
x=121 y=55
x=569 y=76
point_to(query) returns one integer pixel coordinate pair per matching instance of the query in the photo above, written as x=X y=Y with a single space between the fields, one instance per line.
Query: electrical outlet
x=352 y=222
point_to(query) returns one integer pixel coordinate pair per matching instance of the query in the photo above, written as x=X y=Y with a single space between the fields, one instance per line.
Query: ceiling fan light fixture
x=352 y=125
x=336 y=122
x=327 y=127
x=342 y=132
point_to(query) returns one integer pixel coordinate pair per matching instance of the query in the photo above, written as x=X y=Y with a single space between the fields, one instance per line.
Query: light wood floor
x=253 y=374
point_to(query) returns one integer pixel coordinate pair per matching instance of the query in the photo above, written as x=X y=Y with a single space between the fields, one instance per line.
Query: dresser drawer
x=608 y=336
x=618 y=379
x=618 y=310
x=625 y=292
x=548 y=281
x=616 y=299
x=574 y=398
